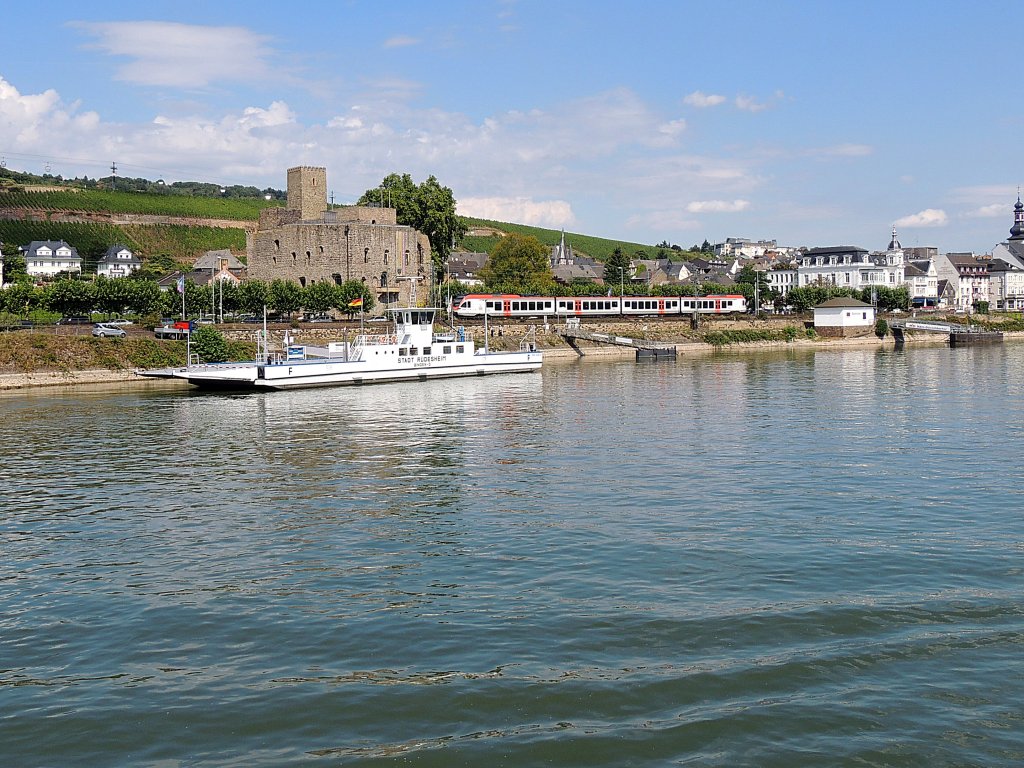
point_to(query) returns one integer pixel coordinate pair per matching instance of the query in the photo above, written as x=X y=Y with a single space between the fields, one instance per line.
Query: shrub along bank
x=29 y=352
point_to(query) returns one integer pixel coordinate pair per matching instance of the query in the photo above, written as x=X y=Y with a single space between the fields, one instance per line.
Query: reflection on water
x=789 y=558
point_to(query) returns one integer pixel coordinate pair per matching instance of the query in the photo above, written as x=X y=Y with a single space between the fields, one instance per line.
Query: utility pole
x=113 y=175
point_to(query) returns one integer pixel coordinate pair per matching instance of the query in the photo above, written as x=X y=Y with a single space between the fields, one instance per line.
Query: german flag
x=356 y=302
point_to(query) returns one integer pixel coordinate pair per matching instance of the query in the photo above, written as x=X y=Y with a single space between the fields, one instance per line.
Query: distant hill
x=485 y=234
x=50 y=208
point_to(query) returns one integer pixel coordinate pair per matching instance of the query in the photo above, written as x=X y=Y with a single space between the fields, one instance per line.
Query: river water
x=761 y=559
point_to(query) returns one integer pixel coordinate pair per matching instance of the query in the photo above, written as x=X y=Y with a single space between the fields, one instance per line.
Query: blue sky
x=811 y=123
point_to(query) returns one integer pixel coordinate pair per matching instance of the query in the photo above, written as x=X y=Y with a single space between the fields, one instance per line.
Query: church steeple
x=1017 y=230
x=894 y=244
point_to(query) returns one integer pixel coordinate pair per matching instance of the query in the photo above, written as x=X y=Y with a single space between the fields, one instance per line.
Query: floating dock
x=959 y=335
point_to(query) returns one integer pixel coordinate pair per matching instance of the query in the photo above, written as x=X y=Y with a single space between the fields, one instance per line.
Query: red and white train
x=512 y=305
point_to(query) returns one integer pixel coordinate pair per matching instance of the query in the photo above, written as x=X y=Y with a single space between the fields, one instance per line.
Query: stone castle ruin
x=306 y=243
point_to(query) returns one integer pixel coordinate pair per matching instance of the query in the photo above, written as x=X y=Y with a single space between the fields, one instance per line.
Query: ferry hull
x=335 y=373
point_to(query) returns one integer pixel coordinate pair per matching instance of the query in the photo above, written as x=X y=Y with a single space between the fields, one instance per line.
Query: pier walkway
x=572 y=332
x=958 y=333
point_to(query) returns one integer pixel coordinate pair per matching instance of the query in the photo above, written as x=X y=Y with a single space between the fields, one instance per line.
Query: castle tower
x=307 y=191
x=1017 y=230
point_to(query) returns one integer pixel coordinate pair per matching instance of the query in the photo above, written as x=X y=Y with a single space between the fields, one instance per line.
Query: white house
x=922 y=281
x=781 y=278
x=968 y=276
x=46 y=258
x=843 y=316
x=118 y=261
x=1006 y=285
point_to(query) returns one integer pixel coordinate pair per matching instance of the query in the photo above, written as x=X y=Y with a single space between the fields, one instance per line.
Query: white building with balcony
x=118 y=261
x=46 y=258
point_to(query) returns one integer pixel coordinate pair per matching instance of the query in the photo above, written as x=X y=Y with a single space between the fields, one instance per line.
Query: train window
x=426 y=350
x=447 y=350
x=459 y=348
x=413 y=351
x=403 y=351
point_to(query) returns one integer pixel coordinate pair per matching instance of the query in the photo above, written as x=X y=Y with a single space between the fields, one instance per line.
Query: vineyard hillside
x=93 y=219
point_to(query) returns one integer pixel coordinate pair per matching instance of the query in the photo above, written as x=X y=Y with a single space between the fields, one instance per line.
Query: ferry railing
x=529 y=341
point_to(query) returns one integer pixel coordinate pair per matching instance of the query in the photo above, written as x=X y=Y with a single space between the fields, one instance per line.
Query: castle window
x=321 y=249
x=295 y=257
x=337 y=278
x=366 y=255
x=383 y=279
x=277 y=246
x=385 y=255
x=302 y=282
x=309 y=255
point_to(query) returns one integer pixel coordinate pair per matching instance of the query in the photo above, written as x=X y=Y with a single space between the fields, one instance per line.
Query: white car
x=104 y=331
x=117 y=322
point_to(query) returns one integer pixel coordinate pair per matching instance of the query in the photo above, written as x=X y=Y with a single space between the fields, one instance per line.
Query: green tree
x=285 y=296
x=113 y=295
x=14 y=264
x=197 y=299
x=209 y=344
x=319 y=297
x=253 y=296
x=518 y=264
x=427 y=207
x=617 y=270
x=70 y=297
x=22 y=298
x=351 y=290
x=145 y=297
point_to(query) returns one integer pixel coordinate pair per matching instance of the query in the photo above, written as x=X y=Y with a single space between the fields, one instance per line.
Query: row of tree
x=142 y=298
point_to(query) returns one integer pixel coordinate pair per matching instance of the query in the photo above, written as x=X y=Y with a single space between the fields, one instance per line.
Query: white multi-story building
x=46 y=258
x=968 y=275
x=782 y=279
x=922 y=281
x=742 y=248
x=1006 y=285
x=118 y=261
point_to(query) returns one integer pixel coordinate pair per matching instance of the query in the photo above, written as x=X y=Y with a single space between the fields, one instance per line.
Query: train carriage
x=714 y=305
x=587 y=306
x=476 y=305
x=651 y=305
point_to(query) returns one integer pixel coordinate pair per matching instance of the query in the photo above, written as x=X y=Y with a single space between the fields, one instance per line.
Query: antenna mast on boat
x=413 y=279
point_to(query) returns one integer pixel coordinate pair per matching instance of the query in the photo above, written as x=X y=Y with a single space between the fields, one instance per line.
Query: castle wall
x=306 y=243
x=376 y=254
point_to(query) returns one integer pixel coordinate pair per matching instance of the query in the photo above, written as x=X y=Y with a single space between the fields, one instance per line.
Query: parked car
x=111 y=331
x=118 y=322
x=74 y=320
x=170 y=332
x=319 y=319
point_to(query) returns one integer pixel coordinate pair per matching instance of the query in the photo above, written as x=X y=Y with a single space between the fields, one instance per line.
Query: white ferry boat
x=411 y=351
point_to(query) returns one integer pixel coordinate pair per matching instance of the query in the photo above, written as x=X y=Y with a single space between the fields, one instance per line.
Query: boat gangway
x=958 y=333
x=645 y=349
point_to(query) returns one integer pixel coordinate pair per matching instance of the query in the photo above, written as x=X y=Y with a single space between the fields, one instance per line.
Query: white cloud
x=41 y=122
x=748 y=104
x=929 y=217
x=717 y=206
x=553 y=213
x=164 y=53
x=401 y=41
x=702 y=100
x=989 y=211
